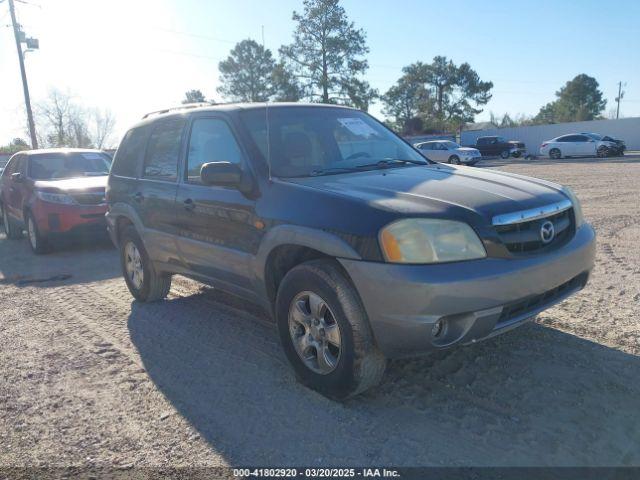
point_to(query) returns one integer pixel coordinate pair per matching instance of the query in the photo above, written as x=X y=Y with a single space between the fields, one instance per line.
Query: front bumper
x=56 y=219
x=470 y=160
x=475 y=299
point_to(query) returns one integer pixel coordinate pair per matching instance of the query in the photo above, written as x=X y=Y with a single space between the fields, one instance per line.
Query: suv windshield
x=451 y=145
x=53 y=166
x=305 y=141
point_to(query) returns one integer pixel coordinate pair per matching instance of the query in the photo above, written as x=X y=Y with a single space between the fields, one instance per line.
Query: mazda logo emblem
x=547 y=232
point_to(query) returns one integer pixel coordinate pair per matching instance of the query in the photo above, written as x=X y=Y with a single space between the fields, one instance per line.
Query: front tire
x=38 y=242
x=144 y=283
x=504 y=154
x=454 y=159
x=555 y=154
x=325 y=332
x=11 y=229
x=602 y=152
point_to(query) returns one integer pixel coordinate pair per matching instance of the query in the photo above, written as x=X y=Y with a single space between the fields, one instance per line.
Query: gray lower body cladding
x=474 y=299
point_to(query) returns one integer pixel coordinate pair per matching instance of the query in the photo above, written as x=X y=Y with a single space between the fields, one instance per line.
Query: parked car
x=449 y=152
x=53 y=193
x=577 y=145
x=360 y=247
x=497 y=146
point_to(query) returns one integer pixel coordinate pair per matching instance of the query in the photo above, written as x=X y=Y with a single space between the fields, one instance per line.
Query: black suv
x=360 y=247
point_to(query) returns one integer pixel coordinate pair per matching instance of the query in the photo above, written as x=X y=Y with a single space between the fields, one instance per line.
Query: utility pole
x=25 y=86
x=618 y=98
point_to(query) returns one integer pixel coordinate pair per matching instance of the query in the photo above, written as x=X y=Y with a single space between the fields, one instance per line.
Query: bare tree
x=66 y=123
x=54 y=113
x=104 y=124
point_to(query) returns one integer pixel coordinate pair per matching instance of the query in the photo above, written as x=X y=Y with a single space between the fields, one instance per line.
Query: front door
x=18 y=188
x=586 y=145
x=218 y=232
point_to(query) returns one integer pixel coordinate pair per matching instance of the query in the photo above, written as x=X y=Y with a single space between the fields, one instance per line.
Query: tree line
x=326 y=62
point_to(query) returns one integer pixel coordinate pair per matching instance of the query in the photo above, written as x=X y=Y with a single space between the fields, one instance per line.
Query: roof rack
x=185 y=106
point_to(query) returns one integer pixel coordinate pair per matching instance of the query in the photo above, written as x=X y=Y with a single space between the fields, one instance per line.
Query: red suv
x=54 y=192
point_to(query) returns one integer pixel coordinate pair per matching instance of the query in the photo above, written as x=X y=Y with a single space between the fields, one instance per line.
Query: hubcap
x=133 y=265
x=315 y=332
x=32 y=233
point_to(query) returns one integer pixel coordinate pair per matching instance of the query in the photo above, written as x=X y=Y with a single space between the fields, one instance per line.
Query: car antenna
x=266 y=112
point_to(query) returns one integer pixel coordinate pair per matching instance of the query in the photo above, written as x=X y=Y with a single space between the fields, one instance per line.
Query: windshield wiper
x=385 y=163
x=390 y=162
x=330 y=170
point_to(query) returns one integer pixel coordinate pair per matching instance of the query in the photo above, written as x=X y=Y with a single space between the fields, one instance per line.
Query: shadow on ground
x=535 y=396
x=78 y=260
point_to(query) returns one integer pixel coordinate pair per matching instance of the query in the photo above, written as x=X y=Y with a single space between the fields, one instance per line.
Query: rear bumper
x=54 y=219
x=475 y=299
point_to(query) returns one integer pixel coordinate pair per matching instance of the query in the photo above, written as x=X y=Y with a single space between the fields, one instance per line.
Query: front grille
x=525 y=237
x=90 y=198
x=520 y=308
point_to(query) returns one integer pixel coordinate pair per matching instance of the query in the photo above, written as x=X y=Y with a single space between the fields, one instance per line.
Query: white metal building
x=628 y=129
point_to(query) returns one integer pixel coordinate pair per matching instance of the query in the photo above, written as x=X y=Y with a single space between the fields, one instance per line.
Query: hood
x=73 y=184
x=439 y=189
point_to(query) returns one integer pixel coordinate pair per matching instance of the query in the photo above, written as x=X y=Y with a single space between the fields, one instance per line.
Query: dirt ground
x=89 y=377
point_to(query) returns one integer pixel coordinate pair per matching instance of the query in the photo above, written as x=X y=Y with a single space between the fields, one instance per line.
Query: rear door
x=155 y=197
x=218 y=236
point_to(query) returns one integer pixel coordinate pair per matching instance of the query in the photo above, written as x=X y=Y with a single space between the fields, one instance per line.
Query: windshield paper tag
x=357 y=126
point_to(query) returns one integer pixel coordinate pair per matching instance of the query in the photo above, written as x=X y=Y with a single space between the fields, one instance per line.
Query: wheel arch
x=122 y=215
x=286 y=246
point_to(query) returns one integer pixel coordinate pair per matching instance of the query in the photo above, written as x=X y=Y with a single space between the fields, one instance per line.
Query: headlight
x=424 y=240
x=577 y=208
x=56 y=198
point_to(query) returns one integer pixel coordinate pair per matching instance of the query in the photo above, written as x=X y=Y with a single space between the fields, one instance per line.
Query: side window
x=22 y=165
x=582 y=138
x=426 y=146
x=211 y=141
x=163 y=151
x=481 y=141
x=129 y=154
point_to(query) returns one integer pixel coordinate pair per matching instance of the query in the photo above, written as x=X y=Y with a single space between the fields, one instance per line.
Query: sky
x=136 y=56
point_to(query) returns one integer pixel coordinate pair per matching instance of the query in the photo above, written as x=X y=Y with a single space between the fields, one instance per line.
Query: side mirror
x=17 y=177
x=224 y=174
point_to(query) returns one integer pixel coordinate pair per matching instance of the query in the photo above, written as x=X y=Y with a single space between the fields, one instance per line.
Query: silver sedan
x=449 y=152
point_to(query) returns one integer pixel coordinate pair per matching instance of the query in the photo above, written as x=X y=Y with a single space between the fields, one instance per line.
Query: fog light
x=437 y=329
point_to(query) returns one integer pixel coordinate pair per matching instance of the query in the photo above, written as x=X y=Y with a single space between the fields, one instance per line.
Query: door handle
x=138 y=197
x=189 y=205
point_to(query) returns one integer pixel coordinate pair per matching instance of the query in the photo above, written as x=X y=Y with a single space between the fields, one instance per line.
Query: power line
x=196 y=35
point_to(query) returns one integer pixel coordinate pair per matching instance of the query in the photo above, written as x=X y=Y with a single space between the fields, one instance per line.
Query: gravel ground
x=89 y=377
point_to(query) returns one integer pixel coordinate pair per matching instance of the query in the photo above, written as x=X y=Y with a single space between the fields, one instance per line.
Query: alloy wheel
x=315 y=333
x=133 y=265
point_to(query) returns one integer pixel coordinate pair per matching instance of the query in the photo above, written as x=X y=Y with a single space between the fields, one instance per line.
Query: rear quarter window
x=128 y=158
